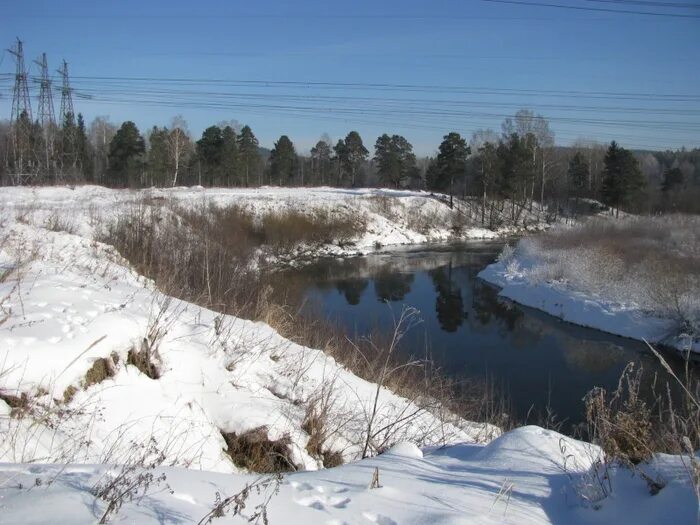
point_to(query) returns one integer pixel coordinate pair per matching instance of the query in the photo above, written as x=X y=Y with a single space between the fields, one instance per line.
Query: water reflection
x=352 y=289
x=469 y=330
x=392 y=286
x=449 y=306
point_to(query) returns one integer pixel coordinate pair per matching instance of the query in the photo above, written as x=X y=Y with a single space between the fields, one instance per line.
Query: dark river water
x=535 y=359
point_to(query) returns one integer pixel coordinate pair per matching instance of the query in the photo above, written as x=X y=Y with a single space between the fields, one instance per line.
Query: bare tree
x=179 y=144
x=100 y=133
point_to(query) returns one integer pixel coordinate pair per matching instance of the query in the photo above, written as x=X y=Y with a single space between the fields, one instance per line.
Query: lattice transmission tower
x=21 y=118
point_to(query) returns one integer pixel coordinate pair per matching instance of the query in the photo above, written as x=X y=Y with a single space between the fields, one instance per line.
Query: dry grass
x=254 y=451
x=100 y=370
x=209 y=257
x=651 y=262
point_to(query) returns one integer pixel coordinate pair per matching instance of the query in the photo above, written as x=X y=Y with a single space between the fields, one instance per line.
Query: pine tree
x=209 y=154
x=321 y=161
x=395 y=160
x=622 y=177
x=126 y=156
x=283 y=160
x=354 y=154
x=578 y=173
x=248 y=153
x=158 y=158
x=229 y=156
x=451 y=163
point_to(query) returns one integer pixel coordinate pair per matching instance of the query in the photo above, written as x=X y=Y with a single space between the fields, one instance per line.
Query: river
x=535 y=359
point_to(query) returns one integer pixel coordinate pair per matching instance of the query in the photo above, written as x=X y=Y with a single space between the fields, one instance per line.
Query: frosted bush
x=506 y=254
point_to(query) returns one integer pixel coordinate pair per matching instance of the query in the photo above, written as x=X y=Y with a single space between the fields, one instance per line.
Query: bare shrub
x=385 y=206
x=236 y=504
x=318 y=424
x=57 y=222
x=621 y=423
x=131 y=480
x=254 y=451
x=288 y=229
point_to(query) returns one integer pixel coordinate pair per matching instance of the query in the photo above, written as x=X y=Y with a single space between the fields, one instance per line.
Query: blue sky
x=501 y=49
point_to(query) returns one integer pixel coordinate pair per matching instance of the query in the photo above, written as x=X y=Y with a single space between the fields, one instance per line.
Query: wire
x=597 y=9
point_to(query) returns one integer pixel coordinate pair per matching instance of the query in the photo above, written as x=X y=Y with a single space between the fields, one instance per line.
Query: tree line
x=517 y=167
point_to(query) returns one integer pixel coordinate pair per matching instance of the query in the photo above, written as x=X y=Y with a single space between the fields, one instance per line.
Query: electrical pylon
x=66 y=95
x=46 y=114
x=20 y=97
x=20 y=119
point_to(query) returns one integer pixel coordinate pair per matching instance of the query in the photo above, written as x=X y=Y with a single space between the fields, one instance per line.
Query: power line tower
x=21 y=118
x=66 y=95
x=47 y=118
x=69 y=157
x=20 y=97
x=46 y=114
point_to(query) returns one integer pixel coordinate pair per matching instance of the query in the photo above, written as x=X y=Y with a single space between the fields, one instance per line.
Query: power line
x=672 y=5
x=399 y=87
x=596 y=9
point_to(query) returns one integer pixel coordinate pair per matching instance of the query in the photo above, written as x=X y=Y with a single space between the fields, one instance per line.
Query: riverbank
x=635 y=278
x=100 y=366
x=373 y=218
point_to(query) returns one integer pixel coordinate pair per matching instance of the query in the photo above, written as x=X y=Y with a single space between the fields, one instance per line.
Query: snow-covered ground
x=526 y=276
x=73 y=301
x=71 y=309
x=528 y=476
x=393 y=217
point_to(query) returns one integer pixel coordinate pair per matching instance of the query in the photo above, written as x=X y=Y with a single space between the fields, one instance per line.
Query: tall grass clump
x=650 y=262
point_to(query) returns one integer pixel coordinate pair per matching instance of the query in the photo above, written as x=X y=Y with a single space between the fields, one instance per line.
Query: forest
x=521 y=163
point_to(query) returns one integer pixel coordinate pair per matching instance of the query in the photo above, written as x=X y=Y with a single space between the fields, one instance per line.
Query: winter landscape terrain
x=121 y=403
x=637 y=278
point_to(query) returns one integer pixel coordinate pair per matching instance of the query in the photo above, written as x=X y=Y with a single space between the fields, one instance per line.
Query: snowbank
x=523 y=277
x=526 y=477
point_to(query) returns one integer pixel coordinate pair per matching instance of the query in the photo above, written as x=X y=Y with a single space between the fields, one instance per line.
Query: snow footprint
x=320 y=502
x=379 y=519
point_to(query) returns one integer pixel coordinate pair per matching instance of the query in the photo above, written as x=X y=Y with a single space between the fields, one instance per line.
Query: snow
x=74 y=301
x=400 y=220
x=519 y=275
x=527 y=476
x=70 y=301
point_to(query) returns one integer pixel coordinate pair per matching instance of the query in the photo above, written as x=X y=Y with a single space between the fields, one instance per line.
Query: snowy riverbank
x=527 y=276
x=98 y=368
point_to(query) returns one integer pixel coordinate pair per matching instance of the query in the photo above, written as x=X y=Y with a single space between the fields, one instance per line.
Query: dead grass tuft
x=254 y=451
x=100 y=370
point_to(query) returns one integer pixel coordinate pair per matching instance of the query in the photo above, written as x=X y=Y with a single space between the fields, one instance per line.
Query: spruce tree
x=622 y=177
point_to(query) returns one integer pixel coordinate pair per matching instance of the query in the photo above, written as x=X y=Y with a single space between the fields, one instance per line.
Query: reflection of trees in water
x=489 y=307
x=390 y=286
x=449 y=305
x=352 y=289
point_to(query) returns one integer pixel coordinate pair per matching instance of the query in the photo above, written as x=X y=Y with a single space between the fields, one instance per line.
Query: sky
x=415 y=68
